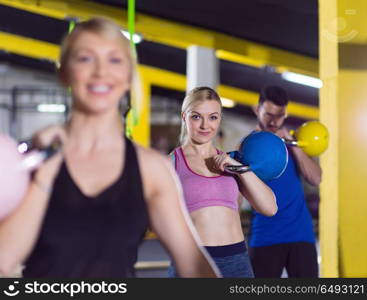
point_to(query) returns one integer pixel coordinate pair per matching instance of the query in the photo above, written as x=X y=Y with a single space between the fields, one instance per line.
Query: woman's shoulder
x=150 y=157
x=156 y=170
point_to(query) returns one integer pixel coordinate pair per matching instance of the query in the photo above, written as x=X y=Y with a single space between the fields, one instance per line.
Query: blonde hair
x=196 y=96
x=102 y=27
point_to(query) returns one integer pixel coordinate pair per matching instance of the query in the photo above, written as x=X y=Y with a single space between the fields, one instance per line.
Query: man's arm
x=307 y=166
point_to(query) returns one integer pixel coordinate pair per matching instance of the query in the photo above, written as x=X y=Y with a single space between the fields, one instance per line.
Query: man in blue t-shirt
x=287 y=238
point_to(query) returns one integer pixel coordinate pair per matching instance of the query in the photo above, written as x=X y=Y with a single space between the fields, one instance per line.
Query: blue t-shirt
x=292 y=222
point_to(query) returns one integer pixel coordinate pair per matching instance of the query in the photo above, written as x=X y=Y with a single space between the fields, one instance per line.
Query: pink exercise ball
x=14 y=179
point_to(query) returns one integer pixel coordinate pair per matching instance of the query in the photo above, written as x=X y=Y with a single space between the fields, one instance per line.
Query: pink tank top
x=202 y=191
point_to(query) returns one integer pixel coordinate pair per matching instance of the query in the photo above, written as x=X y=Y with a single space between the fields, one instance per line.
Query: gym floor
x=153 y=260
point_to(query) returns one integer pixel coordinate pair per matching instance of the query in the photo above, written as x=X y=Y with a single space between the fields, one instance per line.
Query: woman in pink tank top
x=210 y=193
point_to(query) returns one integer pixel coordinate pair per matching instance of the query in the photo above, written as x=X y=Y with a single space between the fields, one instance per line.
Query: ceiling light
x=52 y=108
x=302 y=79
x=228 y=103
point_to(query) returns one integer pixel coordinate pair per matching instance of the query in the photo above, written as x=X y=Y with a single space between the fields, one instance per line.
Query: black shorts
x=299 y=259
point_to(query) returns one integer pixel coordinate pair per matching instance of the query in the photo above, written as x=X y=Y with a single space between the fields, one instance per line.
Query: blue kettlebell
x=262 y=152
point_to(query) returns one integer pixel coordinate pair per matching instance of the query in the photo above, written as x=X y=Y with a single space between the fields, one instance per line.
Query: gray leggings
x=232 y=261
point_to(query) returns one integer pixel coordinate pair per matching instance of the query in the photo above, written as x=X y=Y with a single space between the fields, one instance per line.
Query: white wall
x=27 y=121
x=4 y=121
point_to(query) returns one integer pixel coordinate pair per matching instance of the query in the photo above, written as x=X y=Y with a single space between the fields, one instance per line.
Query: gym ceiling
x=257 y=39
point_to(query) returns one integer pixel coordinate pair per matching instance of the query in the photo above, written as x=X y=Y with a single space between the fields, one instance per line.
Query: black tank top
x=92 y=236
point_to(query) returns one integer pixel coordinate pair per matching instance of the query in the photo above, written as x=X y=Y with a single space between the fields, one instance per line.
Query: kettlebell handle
x=33 y=158
x=239 y=169
x=291 y=142
x=295 y=143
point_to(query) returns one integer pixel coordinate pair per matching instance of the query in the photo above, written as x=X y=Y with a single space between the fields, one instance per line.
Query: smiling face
x=97 y=71
x=202 y=121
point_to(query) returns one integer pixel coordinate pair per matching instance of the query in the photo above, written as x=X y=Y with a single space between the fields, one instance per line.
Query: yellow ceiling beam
x=177 y=81
x=28 y=47
x=42 y=50
x=60 y=9
x=163 y=78
x=175 y=34
x=260 y=63
x=241 y=96
x=250 y=98
x=303 y=111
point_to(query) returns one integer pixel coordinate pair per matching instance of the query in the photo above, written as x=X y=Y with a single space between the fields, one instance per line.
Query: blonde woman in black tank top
x=88 y=207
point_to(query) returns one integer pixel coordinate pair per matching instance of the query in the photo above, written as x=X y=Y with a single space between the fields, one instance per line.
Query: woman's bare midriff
x=217 y=225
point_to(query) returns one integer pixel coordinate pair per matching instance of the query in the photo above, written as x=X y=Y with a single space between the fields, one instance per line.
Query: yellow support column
x=141 y=104
x=352 y=140
x=343 y=108
x=352 y=82
x=329 y=192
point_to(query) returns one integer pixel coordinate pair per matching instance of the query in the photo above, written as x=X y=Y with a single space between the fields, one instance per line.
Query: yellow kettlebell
x=312 y=137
